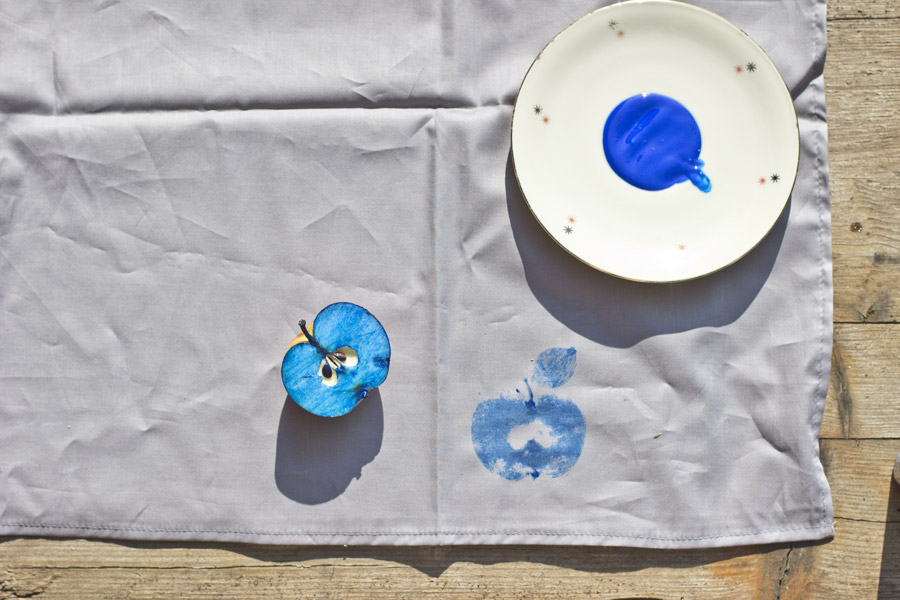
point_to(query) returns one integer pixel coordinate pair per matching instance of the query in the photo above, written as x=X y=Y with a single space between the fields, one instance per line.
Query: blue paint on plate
x=653 y=142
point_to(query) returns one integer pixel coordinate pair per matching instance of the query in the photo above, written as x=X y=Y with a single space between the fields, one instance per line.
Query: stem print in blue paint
x=522 y=436
x=653 y=142
x=332 y=365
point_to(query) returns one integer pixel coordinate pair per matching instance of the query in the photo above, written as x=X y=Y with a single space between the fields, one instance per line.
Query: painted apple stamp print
x=527 y=435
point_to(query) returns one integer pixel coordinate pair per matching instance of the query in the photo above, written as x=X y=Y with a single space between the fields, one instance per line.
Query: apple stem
x=331 y=357
x=309 y=336
x=530 y=402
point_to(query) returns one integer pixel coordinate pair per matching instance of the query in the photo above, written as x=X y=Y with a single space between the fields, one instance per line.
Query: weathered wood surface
x=863 y=98
x=863 y=391
x=860 y=437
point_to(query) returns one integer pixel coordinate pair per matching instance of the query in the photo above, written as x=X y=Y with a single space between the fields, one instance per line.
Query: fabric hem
x=811 y=533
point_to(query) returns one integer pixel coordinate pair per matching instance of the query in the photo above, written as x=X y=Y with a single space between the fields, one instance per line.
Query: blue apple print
x=332 y=365
x=518 y=436
x=653 y=142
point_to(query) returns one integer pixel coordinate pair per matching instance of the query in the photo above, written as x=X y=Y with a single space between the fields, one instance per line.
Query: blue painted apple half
x=332 y=365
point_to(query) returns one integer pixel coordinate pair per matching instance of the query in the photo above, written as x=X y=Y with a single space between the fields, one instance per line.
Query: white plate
x=745 y=115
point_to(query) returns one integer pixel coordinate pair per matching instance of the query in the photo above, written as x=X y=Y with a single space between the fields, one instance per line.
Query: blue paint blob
x=653 y=142
x=554 y=367
x=516 y=439
x=337 y=326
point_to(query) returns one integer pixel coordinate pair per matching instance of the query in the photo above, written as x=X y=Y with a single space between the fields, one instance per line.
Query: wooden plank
x=865 y=377
x=863 y=98
x=860 y=473
x=352 y=581
x=858 y=9
x=863 y=562
x=37 y=554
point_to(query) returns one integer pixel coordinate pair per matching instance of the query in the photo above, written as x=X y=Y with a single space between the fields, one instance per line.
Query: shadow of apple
x=317 y=458
x=518 y=436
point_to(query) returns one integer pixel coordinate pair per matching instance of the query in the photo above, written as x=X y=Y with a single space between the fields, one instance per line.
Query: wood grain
x=863 y=99
x=860 y=473
x=860 y=431
x=865 y=378
x=859 y=9
x=861 y=562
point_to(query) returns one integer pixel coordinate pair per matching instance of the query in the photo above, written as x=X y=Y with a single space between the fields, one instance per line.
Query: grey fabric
x=180 y=183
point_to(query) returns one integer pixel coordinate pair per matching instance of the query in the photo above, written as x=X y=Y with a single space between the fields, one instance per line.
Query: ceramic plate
x=655 y=141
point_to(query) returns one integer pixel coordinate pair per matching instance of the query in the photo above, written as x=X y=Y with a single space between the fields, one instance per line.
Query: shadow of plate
x=620 y=313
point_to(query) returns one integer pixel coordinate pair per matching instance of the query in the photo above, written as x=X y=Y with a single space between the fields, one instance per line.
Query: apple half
x=334 y=363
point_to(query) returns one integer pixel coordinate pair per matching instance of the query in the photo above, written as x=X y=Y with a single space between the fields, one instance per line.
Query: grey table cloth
x=180 y=183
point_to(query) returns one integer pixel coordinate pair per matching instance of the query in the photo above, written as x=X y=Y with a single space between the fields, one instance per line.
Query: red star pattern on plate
x=620 y=33
x=682 y=247
x=571 y=219
x=546 y=119
x=762 y=181
x=739 y=69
